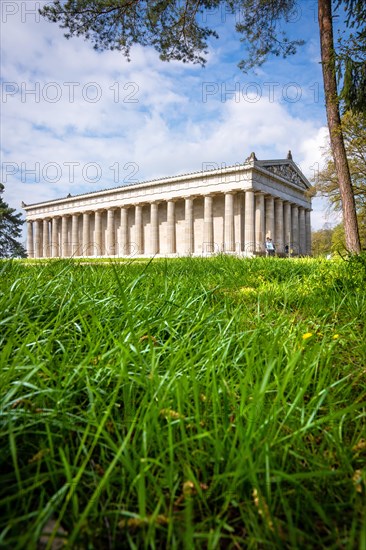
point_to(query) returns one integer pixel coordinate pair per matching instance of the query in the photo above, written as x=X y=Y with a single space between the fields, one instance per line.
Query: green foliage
x=174 y=28
x=338 y=239
x=192 y=403
x=351 y=56
x=321 y=241
x=171 y=27
x=261 y=29
x=10 y=230
x=332 y=240
x=356 y=270
x=353 y=93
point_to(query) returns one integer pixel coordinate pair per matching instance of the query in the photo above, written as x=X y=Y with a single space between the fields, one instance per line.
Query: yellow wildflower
x=360 y=446
x=169 y=413
x=263 y=509
x=138 y=521
x=357 y=480
x=307 y=335
x=38 y=456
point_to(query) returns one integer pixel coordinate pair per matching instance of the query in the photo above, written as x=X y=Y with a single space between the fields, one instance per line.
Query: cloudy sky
x=74 y=120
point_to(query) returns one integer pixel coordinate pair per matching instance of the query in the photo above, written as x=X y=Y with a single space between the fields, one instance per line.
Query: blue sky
x=74 y=120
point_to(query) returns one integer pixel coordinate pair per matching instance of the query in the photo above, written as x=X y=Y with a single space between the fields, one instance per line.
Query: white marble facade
x=229 y=210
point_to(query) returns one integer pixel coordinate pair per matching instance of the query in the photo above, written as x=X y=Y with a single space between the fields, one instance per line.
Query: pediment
x=288 y=171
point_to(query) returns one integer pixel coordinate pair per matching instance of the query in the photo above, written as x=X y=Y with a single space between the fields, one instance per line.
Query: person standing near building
x=270 y=247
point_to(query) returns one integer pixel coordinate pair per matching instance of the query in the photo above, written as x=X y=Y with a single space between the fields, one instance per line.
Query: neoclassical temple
x=231 y=210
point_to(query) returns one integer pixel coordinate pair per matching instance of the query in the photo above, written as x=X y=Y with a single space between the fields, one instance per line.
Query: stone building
x=231 y=210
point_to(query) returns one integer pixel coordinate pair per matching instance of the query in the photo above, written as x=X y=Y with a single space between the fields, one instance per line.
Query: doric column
x=46 y=239
x=64 y=237
x=208 y=236
x=138 y=229
x=287 y=229
x=38 y=244
x=30 y=243
x=98 y=233
x=123 y=233
x=111 y=234
x=308 y=232
x=171 y=227
x=249 y=226
x=239 y=221
x=259 y=222
x=188 y=230
x=229 y=239
x=154 y=227
x=302 y=234
x=74 y=234
x=279 y=237
x=55 y=238
x=86 y=233
x=295 y=228
x=270 y=217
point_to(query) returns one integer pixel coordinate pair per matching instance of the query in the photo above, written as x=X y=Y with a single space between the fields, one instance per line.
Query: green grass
x=177 y=404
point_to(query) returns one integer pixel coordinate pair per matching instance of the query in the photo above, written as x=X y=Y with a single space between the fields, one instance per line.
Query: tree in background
x=174 y=29
x=338 y=239
x=332 y=240
x=328 y=240
x=10 y=230
x=321 y=241
x=326 y=182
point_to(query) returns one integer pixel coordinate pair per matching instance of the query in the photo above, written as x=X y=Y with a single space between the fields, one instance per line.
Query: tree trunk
x=334 y=125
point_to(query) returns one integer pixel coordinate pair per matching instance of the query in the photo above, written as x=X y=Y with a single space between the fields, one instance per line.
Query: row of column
x=286 y=223
x=43 y=235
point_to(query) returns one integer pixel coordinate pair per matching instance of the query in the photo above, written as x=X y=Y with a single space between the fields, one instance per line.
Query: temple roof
x=285 y=169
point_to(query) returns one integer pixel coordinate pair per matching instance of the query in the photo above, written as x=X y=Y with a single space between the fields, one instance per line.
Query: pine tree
x=10 y=230
x=351 y=56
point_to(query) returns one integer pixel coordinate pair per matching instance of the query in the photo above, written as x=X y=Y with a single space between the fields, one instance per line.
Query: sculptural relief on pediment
x=287 y=172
